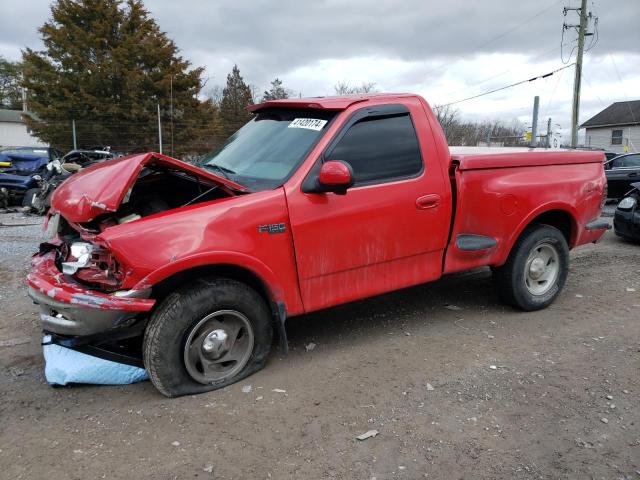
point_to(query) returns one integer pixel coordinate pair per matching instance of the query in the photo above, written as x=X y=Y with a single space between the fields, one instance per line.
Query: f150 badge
x=272 y=228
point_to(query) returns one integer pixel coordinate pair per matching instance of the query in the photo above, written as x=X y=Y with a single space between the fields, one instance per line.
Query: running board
x=470 y=242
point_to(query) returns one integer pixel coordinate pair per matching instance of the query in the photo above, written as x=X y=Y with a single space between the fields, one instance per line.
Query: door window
x=630 y=161
x=380 y=149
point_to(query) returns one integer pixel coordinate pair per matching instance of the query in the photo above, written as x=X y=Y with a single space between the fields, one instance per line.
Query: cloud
x=443 y=50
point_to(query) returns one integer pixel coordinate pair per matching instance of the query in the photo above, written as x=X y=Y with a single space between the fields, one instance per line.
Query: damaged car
x=38 y=198
x=626 y=219
x=313 y=203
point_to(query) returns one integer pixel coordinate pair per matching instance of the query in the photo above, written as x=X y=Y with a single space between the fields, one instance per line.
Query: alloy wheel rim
x=218 y=346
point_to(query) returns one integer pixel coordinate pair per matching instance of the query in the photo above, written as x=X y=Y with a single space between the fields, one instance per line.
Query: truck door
x=390 y=229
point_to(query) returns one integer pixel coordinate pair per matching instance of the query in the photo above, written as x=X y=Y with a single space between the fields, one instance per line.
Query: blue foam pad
x=64 y=366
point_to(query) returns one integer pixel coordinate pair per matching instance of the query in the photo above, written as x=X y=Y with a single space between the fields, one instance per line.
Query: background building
x=616 y=128
x=14 y=132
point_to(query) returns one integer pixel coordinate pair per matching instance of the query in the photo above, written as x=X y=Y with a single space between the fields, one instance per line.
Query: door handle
x=634 y=174
x=428 y=201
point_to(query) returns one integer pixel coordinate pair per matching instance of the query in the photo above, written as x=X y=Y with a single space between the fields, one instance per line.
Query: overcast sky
x=444 y=50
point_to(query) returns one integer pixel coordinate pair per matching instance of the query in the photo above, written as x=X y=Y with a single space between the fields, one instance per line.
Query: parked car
x=313 y=203
x=21 y=168
x=17 y=186
x=621 y=171
x=608 y=154
x=626 y=220
x=26 y=160
x=38 y=198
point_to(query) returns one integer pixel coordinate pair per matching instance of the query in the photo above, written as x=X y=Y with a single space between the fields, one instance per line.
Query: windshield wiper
x=218 y=168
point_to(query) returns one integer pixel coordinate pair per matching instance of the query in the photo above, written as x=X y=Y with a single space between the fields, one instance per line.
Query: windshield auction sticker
x=308 y=123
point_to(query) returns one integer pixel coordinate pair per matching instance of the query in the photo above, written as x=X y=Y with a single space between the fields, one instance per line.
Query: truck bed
x=476 y=158
x=498 y=192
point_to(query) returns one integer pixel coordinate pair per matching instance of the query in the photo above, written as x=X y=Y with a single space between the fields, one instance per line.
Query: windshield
x=266 y=151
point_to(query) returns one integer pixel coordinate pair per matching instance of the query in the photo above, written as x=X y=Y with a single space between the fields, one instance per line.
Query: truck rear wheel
x=536 y=269
x=205 y=336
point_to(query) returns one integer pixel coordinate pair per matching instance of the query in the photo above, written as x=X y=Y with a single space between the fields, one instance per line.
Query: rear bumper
x=67 y=308
x=593 y=231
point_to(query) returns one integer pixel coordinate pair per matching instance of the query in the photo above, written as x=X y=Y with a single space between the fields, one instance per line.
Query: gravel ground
x=477 y=391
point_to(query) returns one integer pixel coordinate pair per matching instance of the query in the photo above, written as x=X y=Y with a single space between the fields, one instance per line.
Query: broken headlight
x=79 y=257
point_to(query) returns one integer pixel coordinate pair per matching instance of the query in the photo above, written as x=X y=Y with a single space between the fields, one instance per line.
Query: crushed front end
x=76 y=283
x=86 y=286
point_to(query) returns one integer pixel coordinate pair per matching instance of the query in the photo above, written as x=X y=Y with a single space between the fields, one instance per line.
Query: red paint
x=338 y=248
x=335 y=173
x=47 y=279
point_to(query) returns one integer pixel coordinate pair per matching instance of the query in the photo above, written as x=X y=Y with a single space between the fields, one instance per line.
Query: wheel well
x=558 y=219
x=163 y=288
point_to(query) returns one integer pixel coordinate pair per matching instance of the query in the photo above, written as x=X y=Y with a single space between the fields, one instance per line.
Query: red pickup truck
x=313 y=203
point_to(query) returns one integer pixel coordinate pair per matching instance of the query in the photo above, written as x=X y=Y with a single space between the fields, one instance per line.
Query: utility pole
x=73 y=129
x=171 y=99
x=549 y=133
x=534 y=122
x=577 y=79
x=159 y=130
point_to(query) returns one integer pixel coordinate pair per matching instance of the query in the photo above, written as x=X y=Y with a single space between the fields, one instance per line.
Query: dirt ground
x=457 y=385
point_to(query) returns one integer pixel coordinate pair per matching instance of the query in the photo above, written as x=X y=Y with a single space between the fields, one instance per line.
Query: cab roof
x=327 y=103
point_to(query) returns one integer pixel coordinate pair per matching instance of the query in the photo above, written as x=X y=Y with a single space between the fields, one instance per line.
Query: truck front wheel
x=536 y=269
x=205 y=336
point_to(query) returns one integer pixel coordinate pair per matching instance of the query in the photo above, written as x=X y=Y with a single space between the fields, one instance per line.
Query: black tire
x=509 y=279
x=28 y=197
x=180 y=313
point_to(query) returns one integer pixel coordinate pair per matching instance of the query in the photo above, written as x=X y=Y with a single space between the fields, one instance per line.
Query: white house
x=616 y=128
x=14 y=132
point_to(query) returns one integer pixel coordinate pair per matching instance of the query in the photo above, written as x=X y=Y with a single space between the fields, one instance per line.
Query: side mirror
x=335 y=176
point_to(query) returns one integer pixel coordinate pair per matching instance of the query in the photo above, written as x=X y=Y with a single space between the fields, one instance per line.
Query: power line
x=553 y=92
x=622 y=86
x=502 y=35
x=554 y=49
x=510 y=86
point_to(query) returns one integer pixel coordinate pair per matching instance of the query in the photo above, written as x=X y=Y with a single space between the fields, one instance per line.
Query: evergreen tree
x=107 y=65
x=276 y=92
x=236 y=96
x=10 y=79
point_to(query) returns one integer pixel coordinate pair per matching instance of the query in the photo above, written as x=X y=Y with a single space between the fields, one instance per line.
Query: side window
x=380 y=149
x=631 y=161
x=616 y=137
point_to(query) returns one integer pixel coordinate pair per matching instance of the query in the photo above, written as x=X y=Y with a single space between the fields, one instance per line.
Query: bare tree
x=459 y=132
x=215 y=94
x=255 y=92
x=344 y=88
x=448 y=118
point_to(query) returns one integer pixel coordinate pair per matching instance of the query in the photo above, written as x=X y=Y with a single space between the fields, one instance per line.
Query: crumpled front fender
x=235 y=259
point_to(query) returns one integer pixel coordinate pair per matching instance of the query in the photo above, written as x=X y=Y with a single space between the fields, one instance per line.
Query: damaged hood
x=101 y=188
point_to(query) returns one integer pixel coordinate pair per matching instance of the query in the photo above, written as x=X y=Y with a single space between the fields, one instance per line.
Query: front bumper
x=67 y=308
x=626 y=223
